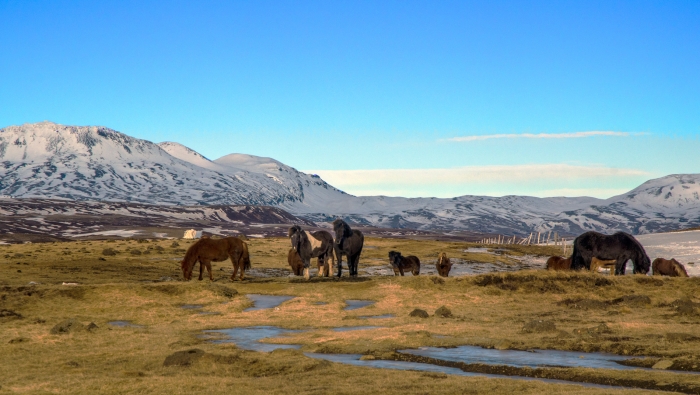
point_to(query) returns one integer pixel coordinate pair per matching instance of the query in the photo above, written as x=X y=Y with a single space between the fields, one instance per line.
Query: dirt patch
x=681 y=337
x=632 y=300
x=419 y=313
x=67 y=326
x=647 y=280
x=9 y=315
x=539 y=326
x=443 y=312
x=595 y=331
x=184 y=358
x=584 y=304
x=73 y=292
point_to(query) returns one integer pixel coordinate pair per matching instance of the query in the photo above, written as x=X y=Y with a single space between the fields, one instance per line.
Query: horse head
x=678 y=268
x=342 y=231
x=644 y=264
x=296 y=235
x=395 y=258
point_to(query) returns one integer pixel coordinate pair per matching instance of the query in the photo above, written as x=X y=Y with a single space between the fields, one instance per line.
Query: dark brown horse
x=348 y=242
x=443 y=265
x=665 y=267
x=207 y=250
x=313 y=245
x=295 y=262
x=620 y=246
x=400 y=263
x=558 y=263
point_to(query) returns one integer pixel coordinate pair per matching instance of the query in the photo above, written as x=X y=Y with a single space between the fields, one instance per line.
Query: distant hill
x=93 y=163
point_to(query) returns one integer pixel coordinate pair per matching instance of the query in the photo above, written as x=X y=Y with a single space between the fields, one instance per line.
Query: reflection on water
x=124 y=324
x=266 y=301
x=532 y=359
x=249 y=339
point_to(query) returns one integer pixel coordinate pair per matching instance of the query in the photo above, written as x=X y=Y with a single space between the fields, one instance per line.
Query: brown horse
x=295 y=262
x=399 y=263
x=558 y=263
x=443 y=265
x=207 y=250
x=605 y=264
x=665 y=267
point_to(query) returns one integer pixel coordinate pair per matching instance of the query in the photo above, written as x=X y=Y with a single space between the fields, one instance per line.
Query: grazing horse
x=599 y=263
x=207 y=250
x=665 y=267
x=295 y=262
x=347 y=242
x=400 y=263
x=558 y=263
x=443 y=265
x=313 y=245
x=620 y=246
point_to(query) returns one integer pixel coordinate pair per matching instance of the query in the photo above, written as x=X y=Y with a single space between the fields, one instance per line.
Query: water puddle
x=191 y=306
x=353 y=304
x=261 y=302
x=124 y=324
x=355 y=328
x=249 y=338
x=531 y=359
x=354 y=359
x=376 y=317
x=209 y=313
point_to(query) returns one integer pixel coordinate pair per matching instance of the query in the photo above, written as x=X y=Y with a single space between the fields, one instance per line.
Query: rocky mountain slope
x=47 y=160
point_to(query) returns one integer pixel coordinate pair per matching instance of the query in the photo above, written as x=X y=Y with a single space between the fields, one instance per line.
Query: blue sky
x=378 y=97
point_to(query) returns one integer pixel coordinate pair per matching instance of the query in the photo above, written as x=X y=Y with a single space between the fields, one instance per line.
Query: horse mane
x=191 y=255
x=293 y=229
x=678 y=268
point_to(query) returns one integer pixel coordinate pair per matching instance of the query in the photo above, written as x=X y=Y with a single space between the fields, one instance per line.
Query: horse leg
x=307 y=263
x=201 y=269
x=330 y=263
x=401 y=271
x=211 y=277
x=340 y=263
x=355 y=261
x=241 y=265
x=620 y=266
x=235 y=268
x=321 y=266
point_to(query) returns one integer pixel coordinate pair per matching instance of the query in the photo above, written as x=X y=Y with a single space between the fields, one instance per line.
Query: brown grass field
x=627 y=315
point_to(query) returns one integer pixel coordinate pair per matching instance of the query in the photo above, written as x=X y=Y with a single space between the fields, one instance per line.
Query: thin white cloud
x=571 y=135
x=532 y=180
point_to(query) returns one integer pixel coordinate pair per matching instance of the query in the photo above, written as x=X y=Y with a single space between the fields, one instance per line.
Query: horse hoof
x=306 y=274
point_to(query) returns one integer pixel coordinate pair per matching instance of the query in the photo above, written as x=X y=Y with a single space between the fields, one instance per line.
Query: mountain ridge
x=48 y=160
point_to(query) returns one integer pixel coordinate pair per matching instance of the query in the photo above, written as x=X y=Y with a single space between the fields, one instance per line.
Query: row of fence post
x=533 y=238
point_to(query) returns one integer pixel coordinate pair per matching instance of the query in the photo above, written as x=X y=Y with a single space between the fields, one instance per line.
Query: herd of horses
x=591 y=251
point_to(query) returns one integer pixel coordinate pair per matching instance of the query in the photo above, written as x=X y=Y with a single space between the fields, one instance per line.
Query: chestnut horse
x=399 y=263
x=207 y=250
x=558 y=263
x=605 y=264
x=665 y=267
x=295 y=262
x=443 y=265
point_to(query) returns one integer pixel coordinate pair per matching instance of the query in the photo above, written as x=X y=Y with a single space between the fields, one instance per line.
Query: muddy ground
x=62 y=338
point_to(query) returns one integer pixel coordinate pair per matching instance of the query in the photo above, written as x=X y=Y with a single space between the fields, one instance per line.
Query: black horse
x=312 y=245
x=348 y=242
x=621 y=247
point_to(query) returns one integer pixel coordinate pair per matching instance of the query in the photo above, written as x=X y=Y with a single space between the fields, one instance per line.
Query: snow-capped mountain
x=46 y=160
